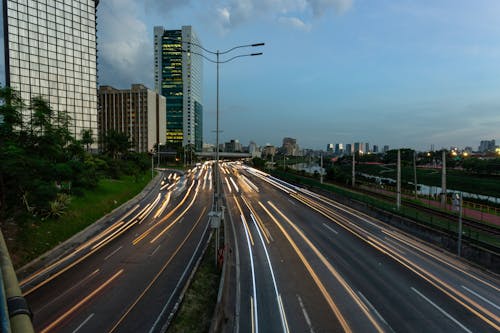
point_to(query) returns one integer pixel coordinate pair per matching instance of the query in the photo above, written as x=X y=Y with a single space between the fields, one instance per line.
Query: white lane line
x=370 y=305
x=155 y=250
x=254 y=307
x=482 y=297
x=306 y=316
x=330 y=228
x=441 y=310
x=112 y=253
x=84 y=322
x=291 y=201
x=284 y=323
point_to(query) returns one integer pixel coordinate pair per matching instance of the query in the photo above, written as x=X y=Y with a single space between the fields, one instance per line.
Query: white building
x=50 y=51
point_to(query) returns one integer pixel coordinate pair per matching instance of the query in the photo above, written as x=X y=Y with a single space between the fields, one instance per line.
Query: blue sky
x=398 y=72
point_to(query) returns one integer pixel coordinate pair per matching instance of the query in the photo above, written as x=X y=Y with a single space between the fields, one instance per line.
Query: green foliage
x=41 y=159
x=258 y=163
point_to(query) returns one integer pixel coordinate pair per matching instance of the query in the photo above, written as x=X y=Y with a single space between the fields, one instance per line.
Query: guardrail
x=15 y=312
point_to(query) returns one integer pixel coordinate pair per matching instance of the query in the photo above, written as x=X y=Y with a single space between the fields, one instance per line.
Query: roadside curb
x=93 y=229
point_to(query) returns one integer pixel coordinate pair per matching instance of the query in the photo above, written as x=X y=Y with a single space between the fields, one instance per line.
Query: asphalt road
x=305 y=263
x=128 y=278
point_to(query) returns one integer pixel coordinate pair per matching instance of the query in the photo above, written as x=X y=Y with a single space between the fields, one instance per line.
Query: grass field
x=36 y=237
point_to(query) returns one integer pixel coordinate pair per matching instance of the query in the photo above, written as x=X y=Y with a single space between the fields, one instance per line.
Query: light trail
x=255 y=318
x=332 y=270
x=155 y=278
x=316 y=279
x=284 y=323
x=486 y=315
x=79 y=304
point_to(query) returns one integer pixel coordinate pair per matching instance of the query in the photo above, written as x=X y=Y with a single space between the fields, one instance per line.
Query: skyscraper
x=50 y=51
x=178 y=77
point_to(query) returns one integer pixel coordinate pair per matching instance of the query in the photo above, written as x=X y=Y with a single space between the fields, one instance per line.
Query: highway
x=128 y=277
x=305 y=263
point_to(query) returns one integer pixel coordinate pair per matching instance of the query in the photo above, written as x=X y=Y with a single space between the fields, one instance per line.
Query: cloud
x=164 y=5
x=295 y=22
x=125 y=47
x=285 y=11
x=319 y=7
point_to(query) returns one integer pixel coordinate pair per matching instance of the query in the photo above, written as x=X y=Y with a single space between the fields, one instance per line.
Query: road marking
x=370 y=305
x=254 y=307
x=84 y=322
x=441 y=310
x=307 y=265
x=111 y=254
x=79 y=304
x=331 y=229
x=291 y=201
x=483 y=298
x=306 y=316
x=155 y=250
x=88 y=277
x=332 y=270
x=284 y=323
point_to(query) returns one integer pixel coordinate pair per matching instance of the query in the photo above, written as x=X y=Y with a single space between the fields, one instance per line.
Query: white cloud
x=286 y=11
x=319 y=7
x=125 y=47
x=295 y=22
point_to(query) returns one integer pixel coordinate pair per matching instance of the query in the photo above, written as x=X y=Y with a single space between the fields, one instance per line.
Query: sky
x=403 y=73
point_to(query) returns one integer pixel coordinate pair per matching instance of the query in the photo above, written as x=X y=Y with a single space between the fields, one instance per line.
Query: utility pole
x=398 y=180
x=353 y=169
x=459 y=250
x=415 y=173
x=443 y=180
x=321 y=170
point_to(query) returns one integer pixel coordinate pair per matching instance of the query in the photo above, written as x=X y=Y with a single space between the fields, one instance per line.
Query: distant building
x=268 y=150
x=330 y=147
x=359 y=147
x=348 y=149
x=375 y=149
x=254 y=150
x=50 y=50
x=208 y=148
x=468 y=149
x=486 y=146
x=339 y=148
x=138 y=112
x=178 y=77
x=290 y=147
x=367 y=148
x=386 y=148
x=233 y=146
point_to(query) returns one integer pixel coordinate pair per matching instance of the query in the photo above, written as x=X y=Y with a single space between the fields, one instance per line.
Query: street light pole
x=217 y=176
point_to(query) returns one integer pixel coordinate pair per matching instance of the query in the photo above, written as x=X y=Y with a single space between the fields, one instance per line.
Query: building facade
x=178 y=71
x=138 y=112
x=50 y=51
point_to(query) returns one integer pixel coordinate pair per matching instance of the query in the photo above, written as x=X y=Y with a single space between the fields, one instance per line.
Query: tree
x=116 y=143
x=87 y=138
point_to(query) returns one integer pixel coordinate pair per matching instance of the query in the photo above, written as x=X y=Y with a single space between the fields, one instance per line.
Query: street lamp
x=217 y=61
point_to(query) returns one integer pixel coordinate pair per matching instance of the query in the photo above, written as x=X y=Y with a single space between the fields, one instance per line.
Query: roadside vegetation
x=48 y=178
x=197 y=308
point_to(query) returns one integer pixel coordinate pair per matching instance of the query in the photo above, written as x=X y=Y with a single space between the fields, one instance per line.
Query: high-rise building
x=178 y=70
x=290 y=147
x=375 y=148
x=348 y=149
x=486 y=146
x=50 y=51
x=330 y=147
x=138 y=112
x=386 y=148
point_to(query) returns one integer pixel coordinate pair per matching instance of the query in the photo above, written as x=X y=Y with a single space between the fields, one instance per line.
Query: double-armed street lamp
x=218 y=61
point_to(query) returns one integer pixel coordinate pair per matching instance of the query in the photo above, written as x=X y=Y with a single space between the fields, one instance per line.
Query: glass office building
x=50 y=51
x=178 y=77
